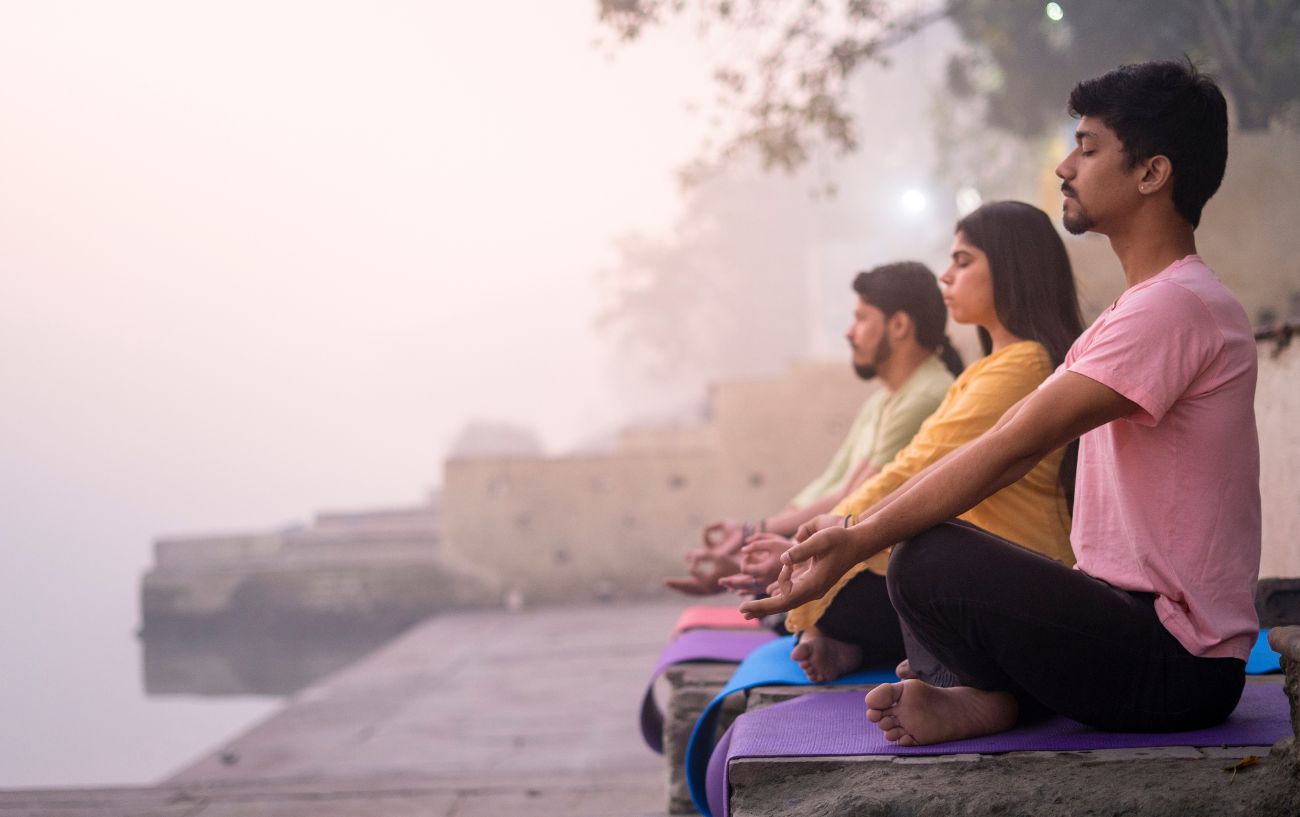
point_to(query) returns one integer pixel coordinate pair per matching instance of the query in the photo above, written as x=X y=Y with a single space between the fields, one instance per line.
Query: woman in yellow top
x=1011 y=277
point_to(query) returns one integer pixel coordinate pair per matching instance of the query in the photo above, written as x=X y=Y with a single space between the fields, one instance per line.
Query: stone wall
x=1277 y=411
x=614 y=525
x=374 y=571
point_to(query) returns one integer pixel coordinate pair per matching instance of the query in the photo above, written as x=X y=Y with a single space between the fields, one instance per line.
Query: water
x=76 y=712
x=83 y=701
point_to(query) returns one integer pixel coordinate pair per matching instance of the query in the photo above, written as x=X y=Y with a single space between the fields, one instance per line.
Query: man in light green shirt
x=897 y=337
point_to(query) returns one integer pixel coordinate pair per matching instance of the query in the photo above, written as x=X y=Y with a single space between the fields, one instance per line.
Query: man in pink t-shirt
x=1168 y=497
x=1150 y=632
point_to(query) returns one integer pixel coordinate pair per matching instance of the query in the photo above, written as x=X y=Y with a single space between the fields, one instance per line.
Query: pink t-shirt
x=1167 y=499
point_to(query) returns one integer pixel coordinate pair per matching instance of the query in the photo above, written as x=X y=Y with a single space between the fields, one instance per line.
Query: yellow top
x=1031 y=512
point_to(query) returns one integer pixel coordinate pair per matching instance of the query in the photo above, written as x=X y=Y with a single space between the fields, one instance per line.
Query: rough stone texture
x=1286 y=640
x=1028 y=784
x=1277 y=601
x=691 y=688
x=763 y=697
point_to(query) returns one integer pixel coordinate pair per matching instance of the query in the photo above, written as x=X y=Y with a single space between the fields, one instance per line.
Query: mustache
x=1067 y=190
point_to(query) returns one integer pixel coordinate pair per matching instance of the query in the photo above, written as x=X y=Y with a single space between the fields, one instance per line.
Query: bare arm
x=1041 y=423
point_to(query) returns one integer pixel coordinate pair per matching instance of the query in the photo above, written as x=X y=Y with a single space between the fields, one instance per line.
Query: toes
x=875 y=715
x=801 y=652
x=883 y=697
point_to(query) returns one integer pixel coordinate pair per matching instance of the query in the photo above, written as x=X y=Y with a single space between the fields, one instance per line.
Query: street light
x=1054 y=12
x=913 y=201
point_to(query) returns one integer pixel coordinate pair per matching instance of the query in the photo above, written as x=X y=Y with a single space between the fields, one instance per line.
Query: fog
x=258 y=259
x=262 y=258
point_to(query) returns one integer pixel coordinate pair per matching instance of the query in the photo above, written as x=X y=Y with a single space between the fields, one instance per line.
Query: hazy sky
x=262 y=258
x=280 y=243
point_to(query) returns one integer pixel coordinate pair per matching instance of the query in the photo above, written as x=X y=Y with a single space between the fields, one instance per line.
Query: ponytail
x=949 y=357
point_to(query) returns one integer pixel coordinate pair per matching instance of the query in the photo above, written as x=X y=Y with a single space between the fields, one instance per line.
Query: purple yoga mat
x=730 y=646
x=835 y=724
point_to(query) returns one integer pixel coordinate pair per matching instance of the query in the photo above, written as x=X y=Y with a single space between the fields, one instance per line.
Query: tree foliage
x=786 y=68
x=722 y=295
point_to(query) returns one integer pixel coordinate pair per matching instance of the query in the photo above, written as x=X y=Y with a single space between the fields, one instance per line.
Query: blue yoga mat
x=1263 y=658
x=769 y=665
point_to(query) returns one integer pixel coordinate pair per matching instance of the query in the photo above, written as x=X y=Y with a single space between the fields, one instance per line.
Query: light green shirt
x=884 y=426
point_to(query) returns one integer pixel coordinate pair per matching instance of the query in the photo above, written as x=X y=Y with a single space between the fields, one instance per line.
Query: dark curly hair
x=1166 y=109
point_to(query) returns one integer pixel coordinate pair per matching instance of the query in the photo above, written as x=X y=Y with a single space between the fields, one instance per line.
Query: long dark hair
x=1033 y=288
x=910 y=286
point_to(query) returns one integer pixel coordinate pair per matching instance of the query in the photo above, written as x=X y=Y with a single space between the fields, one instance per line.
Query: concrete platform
x=493 y=713
x=486 y=713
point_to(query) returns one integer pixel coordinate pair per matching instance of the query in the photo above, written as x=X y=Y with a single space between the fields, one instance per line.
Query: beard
x=1078 y=222
x=867 y=371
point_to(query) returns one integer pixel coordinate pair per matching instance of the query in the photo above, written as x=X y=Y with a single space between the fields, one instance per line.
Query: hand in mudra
x=809 y=569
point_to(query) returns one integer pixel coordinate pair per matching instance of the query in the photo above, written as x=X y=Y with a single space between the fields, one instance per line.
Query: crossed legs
x=1020 y=632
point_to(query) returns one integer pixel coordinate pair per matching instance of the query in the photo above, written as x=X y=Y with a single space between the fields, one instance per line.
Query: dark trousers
x=1001 y=617
x=861 y=614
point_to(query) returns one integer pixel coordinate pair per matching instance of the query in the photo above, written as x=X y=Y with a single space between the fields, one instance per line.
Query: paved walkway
x=487 y=713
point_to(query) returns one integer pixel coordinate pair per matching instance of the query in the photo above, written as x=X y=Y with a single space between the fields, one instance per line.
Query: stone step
x=1182 y=781
x=691 y=686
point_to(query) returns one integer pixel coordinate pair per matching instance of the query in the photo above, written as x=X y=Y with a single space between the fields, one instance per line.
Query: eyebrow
x=1080 y=135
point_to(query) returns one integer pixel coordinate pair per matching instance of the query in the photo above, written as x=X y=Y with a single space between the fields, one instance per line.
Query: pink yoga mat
x=699 y=616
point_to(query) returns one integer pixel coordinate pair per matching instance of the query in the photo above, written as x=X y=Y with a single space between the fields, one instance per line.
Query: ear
x=1157 y=175
x=900 y=326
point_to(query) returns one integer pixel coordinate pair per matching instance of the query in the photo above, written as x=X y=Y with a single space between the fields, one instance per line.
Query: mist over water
x=260 y=259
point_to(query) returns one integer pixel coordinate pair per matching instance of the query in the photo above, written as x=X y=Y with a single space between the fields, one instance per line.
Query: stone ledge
x=1177 y=782
x=763 y=697
x=1164 y=781
x=691 y=687
x=1277 y=602
x=1286 y=640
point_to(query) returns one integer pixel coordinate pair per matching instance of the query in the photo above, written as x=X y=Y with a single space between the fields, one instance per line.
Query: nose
x=946 y=277
x=1065 y=170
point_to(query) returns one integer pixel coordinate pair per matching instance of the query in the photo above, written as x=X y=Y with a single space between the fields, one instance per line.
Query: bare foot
x=913 y=713
x=824 y=659
x=904 y=670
